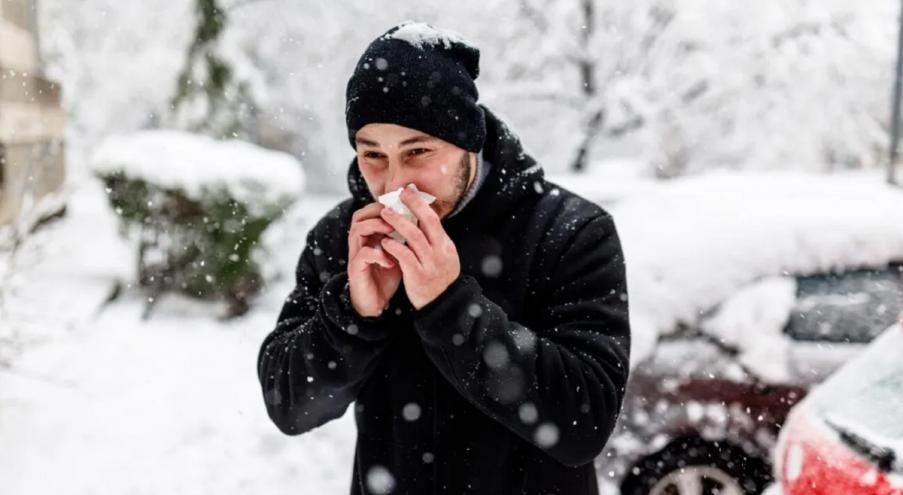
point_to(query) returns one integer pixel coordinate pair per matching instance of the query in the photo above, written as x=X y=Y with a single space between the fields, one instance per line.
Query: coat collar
x=513 y=175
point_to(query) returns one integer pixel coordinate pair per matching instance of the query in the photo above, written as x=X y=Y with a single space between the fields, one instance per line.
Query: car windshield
x=865 y=397
x=853 y=306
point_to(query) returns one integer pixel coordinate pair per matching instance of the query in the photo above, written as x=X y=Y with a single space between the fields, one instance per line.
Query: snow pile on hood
x=752 y=321
x=194 y=163
x=419 y=33
x=690 y=243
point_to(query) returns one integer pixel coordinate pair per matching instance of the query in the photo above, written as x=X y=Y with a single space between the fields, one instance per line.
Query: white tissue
x=393 y=200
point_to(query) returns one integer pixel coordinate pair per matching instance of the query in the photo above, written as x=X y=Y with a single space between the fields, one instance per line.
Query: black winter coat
x=509 y=382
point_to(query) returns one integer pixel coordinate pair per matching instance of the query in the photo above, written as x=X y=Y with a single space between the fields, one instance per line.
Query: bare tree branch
x=532 y=14
x=237 y=4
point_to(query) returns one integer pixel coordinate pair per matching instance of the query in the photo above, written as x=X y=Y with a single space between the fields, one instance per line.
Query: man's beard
x=462 y=177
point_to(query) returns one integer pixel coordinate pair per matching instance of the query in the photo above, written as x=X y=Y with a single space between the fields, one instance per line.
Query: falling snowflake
x=537 y=187
x=546 y=435
x=527 y=413
x=495 y=355
x=411 y=411
x=380 y=480
x=492 y=265
x=474 y=310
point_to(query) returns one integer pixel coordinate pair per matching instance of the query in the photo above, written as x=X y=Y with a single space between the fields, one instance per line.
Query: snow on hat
x=419 y=77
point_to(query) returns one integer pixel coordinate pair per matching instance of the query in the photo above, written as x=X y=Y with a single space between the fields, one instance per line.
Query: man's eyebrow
x=416 y=139
x=367 y=142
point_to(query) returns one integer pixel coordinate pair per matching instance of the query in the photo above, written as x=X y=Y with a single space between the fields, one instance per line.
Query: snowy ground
x=106 y=403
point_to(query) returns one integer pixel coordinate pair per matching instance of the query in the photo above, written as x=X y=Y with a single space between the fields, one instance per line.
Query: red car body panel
x=812 y=460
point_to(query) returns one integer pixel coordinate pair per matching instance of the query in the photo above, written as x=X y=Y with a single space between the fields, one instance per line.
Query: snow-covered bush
x=198 y=208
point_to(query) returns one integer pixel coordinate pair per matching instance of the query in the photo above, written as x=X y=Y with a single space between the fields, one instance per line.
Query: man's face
x=391 y=156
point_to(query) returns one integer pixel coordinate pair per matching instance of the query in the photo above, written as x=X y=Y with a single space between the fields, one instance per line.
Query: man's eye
x=418 y=151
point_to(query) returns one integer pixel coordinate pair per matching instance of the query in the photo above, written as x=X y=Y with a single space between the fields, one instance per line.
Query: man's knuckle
x=418 y=236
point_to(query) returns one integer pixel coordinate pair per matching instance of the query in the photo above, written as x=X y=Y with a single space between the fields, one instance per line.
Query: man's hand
x=373 y=276
x=429 y=262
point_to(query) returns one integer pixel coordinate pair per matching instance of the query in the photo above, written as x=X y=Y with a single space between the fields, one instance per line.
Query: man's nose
x=398 y=178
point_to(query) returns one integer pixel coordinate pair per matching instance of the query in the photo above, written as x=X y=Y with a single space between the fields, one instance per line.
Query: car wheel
x=692 y=466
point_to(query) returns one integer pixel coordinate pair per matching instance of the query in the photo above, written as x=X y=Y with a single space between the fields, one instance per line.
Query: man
x=488 y=353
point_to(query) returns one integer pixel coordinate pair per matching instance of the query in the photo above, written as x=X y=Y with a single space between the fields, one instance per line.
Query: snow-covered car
x=745 y=290
x=846 y=437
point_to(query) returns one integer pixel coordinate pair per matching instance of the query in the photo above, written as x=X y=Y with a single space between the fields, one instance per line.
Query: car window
x=853 y=306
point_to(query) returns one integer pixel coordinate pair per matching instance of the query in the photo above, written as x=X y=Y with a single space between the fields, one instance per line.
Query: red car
x=846 y=437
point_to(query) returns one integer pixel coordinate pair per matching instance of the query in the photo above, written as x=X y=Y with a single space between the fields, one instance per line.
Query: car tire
x=692 y=464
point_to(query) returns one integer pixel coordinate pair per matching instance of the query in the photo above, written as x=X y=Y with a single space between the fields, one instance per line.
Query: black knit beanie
x=419 y=77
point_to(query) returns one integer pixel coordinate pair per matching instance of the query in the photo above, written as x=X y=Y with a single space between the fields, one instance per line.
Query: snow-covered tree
x=696 y=84
x=684 y=84
x=210 y=96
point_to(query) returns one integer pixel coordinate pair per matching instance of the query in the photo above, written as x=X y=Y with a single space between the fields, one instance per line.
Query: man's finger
x=364 y=228
x=374 y=256
x=413 y=235
x=356 y=241
x=369 y=211
x=370 y=226
x=428 y=219
x=402 y=253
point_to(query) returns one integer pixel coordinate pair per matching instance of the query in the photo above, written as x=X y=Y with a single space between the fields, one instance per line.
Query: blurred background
x=161 y=164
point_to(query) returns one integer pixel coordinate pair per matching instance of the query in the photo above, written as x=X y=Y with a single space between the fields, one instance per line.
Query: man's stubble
x=462 y=181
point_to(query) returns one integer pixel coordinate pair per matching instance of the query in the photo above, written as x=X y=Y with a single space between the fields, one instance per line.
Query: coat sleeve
x=314 y=363
x=559 y=384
